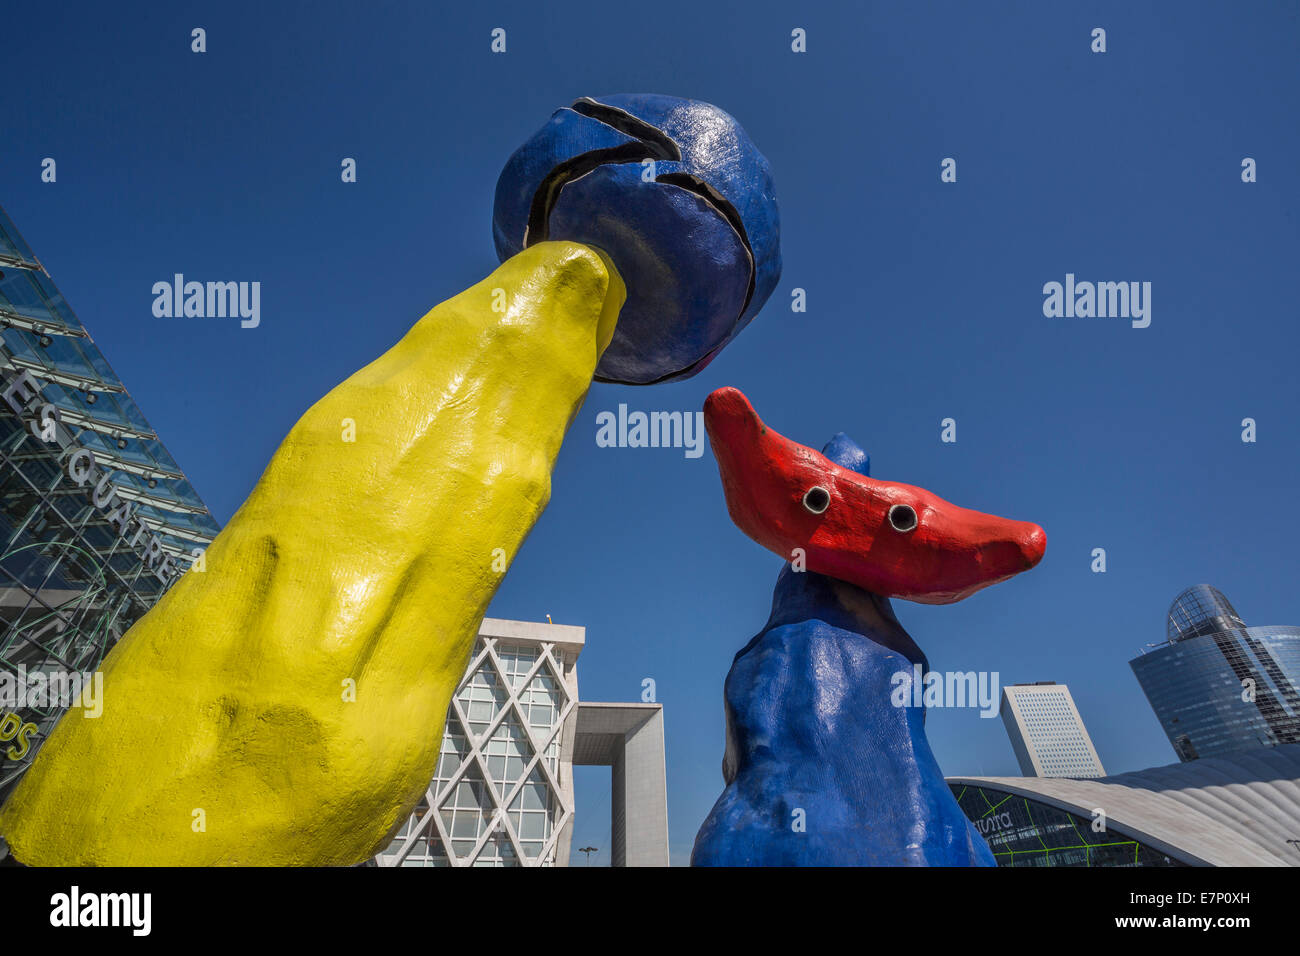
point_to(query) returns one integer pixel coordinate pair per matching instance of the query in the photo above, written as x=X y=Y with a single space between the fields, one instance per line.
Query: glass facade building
x=1022 y=831
x=1218 y=686
x=96 y=518
x=1238 y=810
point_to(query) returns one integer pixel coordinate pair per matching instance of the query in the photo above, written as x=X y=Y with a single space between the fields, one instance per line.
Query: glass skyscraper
x=1218 y=686
x=96 y=518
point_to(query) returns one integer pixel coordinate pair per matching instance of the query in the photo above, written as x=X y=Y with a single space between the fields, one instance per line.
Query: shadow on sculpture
x=827 y=762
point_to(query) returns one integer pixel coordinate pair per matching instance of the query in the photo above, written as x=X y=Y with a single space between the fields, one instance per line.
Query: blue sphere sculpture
x=676 y=194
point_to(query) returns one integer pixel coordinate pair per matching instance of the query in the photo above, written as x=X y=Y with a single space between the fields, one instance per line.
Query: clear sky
x=924 y=298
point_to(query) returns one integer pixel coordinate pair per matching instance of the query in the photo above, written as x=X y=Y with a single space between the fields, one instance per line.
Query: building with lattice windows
x=503 y=791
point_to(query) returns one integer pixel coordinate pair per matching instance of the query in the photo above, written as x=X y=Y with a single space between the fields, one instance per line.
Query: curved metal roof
x=1221 y=811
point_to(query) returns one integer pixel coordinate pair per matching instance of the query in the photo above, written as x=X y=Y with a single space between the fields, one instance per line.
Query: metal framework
x=71 y=582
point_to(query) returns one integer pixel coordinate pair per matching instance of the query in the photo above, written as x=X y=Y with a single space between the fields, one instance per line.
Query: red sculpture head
x=888 y=538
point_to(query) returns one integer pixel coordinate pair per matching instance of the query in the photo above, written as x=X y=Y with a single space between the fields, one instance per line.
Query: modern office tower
x=503 y=789
x=96 y=518
x=1047 y=732
x=1217 y=686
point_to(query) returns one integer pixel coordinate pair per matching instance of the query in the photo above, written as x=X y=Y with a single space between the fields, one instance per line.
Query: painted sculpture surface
x=677 y=195
x=285 y=705
x=371 y=562
x=821 y=766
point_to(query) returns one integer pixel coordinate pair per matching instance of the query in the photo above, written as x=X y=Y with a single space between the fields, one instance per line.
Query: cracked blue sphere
x=674 y=192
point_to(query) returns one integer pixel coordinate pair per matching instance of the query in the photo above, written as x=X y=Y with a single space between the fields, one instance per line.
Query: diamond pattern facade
x=503 y=791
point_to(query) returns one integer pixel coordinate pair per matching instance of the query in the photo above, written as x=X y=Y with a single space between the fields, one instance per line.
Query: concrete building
x=629 y=739
x=503 y=790
x=1241 y=810
x=1047 y=733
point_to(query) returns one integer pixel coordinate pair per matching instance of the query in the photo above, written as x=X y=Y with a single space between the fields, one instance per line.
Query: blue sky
x=924 y=298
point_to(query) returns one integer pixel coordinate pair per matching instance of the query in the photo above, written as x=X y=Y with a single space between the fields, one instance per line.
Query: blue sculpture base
x=822 y=769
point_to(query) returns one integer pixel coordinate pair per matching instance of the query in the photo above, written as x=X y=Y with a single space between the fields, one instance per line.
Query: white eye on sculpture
x=902 y=518
x=817 y=499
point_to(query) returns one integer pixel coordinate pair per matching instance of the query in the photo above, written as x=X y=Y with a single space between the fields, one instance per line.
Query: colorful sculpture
x=826 y=759
x=677 y=195
x=285 y=704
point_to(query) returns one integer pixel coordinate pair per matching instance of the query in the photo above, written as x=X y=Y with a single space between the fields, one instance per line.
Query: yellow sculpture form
x=285 y=705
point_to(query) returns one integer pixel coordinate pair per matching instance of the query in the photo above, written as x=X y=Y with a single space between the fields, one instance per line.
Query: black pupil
x=903 y=517
x=817 y=499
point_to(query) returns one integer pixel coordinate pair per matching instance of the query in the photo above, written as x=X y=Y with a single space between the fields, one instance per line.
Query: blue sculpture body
x=681 y=200
x=821 y=767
